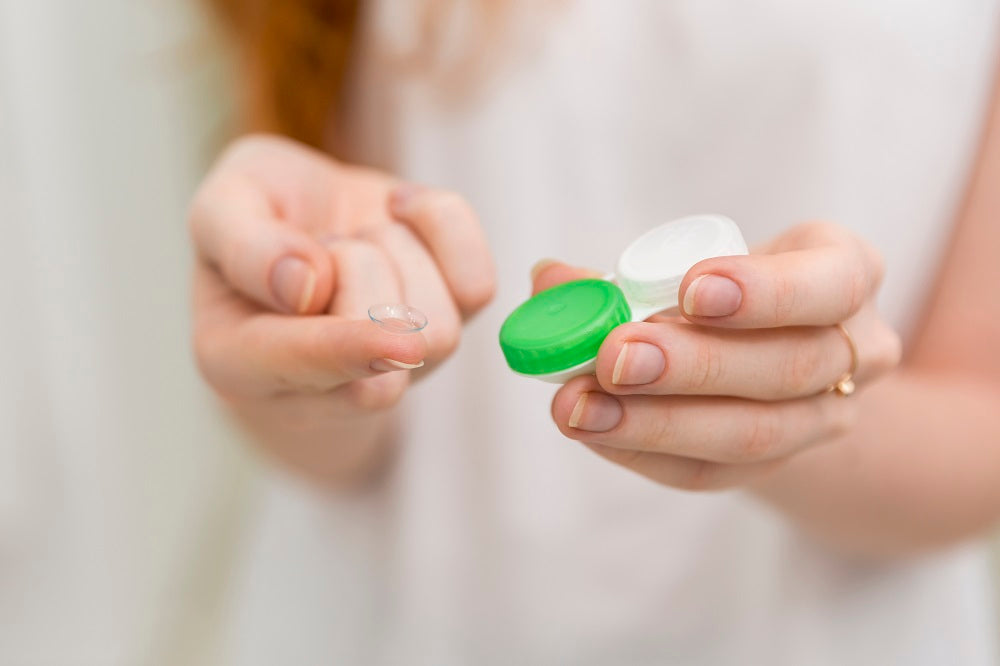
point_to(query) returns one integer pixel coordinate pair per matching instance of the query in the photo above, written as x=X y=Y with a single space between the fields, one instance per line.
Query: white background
x=121 y=491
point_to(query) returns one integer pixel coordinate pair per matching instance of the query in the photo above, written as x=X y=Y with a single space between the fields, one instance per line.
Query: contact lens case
x=555 y=335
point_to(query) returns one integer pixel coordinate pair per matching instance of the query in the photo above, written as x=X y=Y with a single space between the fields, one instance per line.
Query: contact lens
x=397 y=317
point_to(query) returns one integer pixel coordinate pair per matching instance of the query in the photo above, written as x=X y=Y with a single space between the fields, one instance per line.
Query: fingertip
x=549 y=273
x=301 y=280
x=449 y=228
x=711 y=295
x=712 y=290
x=407 y=348
x=565 y=401
x=631 y=357
x=540 y=266
x=402 y=196
x=317 y=300
x=474 y=294
x=610 y=351
x=355 y=348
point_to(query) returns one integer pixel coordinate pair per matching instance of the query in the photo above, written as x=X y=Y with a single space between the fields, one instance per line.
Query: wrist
x=310 y=437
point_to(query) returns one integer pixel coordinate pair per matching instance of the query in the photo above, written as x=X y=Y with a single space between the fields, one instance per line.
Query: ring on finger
x=845 y=385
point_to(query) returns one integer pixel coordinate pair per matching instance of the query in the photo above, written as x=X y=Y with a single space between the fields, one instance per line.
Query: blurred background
x=122 y=490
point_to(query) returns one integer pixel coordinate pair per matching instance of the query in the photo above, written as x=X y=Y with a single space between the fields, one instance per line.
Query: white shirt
x=498 y=541
x=495 y=540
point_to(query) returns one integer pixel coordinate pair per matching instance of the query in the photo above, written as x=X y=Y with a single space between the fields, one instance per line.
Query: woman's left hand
x=739 y=384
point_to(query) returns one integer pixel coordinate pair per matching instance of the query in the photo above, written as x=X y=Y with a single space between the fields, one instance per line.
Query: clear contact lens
x=397 y=318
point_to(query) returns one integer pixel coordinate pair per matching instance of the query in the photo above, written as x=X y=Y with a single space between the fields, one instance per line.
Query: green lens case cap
x=556 y=335
x=563 y=326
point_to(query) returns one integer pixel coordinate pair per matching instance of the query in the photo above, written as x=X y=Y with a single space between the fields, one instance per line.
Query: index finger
x=240 y=227
x=450 y=229
x=548 y=273
x=824 y=282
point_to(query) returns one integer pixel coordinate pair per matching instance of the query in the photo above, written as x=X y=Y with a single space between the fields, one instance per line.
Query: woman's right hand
x=292 y=249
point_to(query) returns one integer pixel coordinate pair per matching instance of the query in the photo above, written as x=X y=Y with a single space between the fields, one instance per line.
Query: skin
x=907 y=464
x=295 y=356
x=730 y=393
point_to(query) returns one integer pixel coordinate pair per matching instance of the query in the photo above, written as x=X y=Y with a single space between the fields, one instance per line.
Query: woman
x=457 y=526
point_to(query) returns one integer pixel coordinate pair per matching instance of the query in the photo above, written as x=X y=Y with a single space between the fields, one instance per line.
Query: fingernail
x=638 y=363
x=595 y=412
x=712 y=296
x=540 y=266
x=402 y=196
x=392 y=365
x=293 y=282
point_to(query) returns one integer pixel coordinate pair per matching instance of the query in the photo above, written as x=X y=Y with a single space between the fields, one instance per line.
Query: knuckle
x=229 y=256
x=475 y=295
x=886 y=350
x=207 y=349
x=834 y=417
x=843 y=419
x=759 y=441
x=245 y=142
x=201 y=211
x=658 y=434
x=208 y=228
x=875 y=262
x=196 y=214
x=631 y=458
x=858 y=288
x=359 y=262
x=698 y=476
x=372 y=395
x=707 y=370
x=451 y=341
x=204 y=353
x=817 y=232
x=893 y=348
x=446 y=341
x=799 y=369
x=249 y=146
x=785 y=298
x=241 y=146
x=448 y=207
x=822 y=230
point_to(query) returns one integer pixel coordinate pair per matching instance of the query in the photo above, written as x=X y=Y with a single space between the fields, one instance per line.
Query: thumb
x=266 y=260
x=548 y=273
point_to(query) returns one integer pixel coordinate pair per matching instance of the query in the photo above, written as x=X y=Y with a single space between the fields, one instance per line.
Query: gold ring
x=845 y=385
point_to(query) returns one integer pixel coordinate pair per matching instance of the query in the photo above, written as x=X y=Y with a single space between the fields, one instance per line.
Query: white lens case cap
x=651 y=269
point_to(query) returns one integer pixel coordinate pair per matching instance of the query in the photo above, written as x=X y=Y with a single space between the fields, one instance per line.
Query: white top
x=497 y=541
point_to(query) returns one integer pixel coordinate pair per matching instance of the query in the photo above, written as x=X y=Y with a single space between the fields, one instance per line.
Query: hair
x=294 y=57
